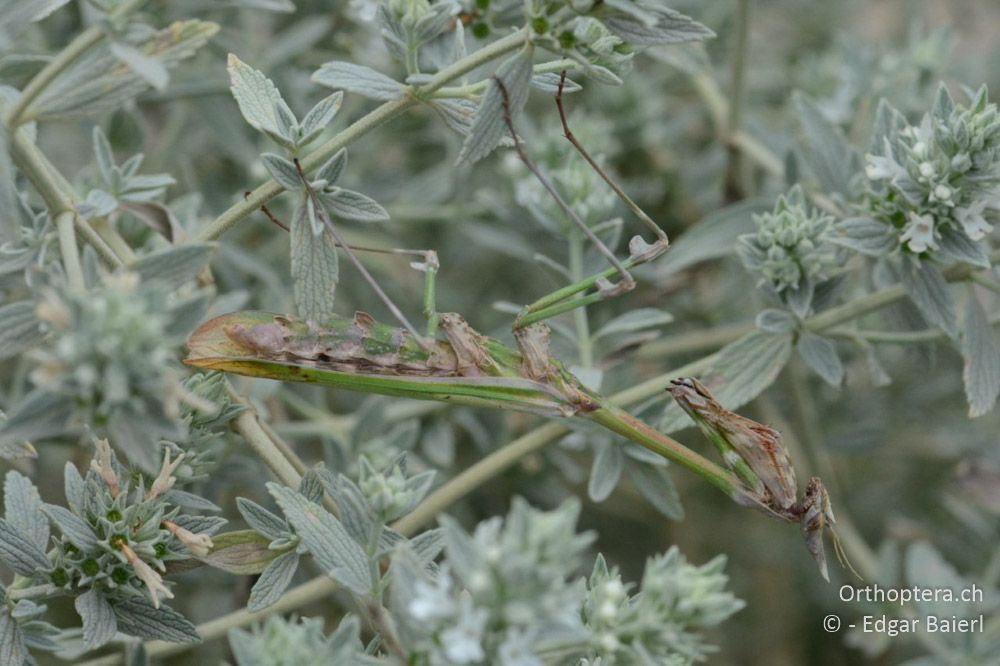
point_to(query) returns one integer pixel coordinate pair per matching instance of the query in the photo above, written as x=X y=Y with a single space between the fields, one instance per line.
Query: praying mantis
x=468 y=368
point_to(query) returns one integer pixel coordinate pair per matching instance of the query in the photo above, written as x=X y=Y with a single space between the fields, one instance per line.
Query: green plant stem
x=693 y=341
x=473 y=89
x=988 y=282
x=584 y=344
x=69 y=251
x=57 y=197
x=378 y=116
x=249 y=428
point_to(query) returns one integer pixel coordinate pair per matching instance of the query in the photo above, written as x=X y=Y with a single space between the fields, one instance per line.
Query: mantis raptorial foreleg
x=568 y=298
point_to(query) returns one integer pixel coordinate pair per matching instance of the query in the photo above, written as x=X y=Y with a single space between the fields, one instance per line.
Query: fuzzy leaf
x=775 y=321
x=261 y=519
x=260 y=102
x=243 y=552
x=176 y=265
x=333 y=167
x=820 y=355
x=352 y=205
x=713 y=237
x=18 y=328
x=320 y=116
x=96 y=83
x=635 y=320
x=929 y=291
x=72 y=527
x=606 y=471
x=826 y=151
x=19 y=553
x=137 y=617
x=457 y=114
x=866 y=236
x=489 y=126
x=981 y=372
x=273 y=581
x=283 y=171
x=39 y=415
x=23 y=509
x=328 y=542
x=955 y=245
x=670 y=27
x=358 y=79
x=147 y=68
x=315 y=266
x=13 y=651
x=99 y=624
x=657 y=487
x=548 y=82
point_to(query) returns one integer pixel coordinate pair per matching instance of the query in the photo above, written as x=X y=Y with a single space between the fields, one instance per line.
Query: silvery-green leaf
x=260 y=518
x=273 y=581
x=826 y=151
x=775 y=321
x=311 y=487
x=953 y=244
x=635 y=320
x=12 y=648
x=459 y=548
x=260 y=102
x=352 y=205
x=149 y=69
x=72 y=527
x=320 y=116
x=19 y=553
x=97 y=204
x=99 y=625
x=434 y=22
x=39 y=415
x=799 y=299
x=866 y=236
x=18 y=328
x=925 y=564
x=943 y=103
x=489 y=126
x=657 y=487
x=548 y=82
x=671 y=27
x=173 y=266
x=137 y=617
x=742 y=370
x=23 y=509
x=713 y=237
x=457 y=114
x=333 y=549
x=981 y=372
x=820 y=355
x=105 y=158
x=15 y=15
x=242 y=552
x=283 y=171
x=94 y=83
x=333 y=167
x=427 y=545
x=358 y=79
x=315 y=267
x=73 y=487
x=929 y=291
x=606 y=470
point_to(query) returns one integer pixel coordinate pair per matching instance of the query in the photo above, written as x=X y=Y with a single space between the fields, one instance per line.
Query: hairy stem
x=69 y=251
x=734 y=190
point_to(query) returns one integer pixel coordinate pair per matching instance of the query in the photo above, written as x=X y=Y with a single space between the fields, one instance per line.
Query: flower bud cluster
x=790 y=247
x=940 y=177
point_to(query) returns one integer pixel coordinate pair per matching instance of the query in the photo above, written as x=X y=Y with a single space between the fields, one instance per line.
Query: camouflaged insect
x=754 y=453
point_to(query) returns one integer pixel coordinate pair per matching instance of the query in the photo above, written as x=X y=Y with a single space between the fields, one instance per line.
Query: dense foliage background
x=879 y=405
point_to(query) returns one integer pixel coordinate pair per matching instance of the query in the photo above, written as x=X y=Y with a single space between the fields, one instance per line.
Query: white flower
x=516 y=649
x=432 y=601
x=102 y=465
x=973 y=223
x=927 y=170
x=881 y=168
x=920 y=151
x=165 y=480
x=942 y=193
x=463 y=643
x=919 y=233
x=147 y=575
x=198 y=544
